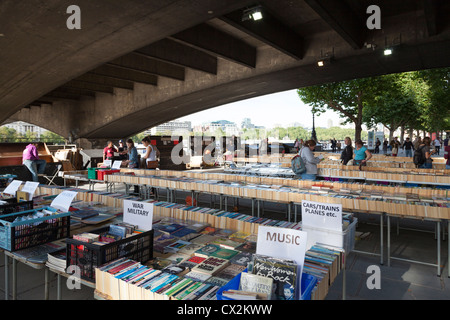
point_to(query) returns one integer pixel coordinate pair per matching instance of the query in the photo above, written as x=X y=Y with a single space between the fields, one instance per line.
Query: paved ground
x=399 y=281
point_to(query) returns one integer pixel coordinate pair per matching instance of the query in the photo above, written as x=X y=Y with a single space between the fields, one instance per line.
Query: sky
x=282 y=108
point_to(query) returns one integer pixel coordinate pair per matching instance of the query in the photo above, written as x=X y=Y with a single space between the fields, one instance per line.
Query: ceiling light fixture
x=388 y=51
x=325 y=59
x=254 y=13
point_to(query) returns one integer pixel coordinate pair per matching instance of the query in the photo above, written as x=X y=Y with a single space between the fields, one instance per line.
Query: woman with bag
x=310 y=161
x=151 y=154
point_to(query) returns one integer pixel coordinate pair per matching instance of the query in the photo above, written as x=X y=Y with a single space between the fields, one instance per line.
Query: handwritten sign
x=322 y=215
x=63 y=200
x=11 y=189
x=30 y=188
x=138 y=213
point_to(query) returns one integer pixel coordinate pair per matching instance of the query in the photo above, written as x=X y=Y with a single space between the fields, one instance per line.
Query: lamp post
x=313 y=133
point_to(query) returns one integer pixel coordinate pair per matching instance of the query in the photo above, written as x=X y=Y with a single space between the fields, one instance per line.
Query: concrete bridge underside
x=136 y=64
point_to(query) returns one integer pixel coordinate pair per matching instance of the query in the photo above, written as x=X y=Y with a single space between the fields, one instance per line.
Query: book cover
x=248 y=246
x=283 y=272
x=256 y=283
x=230 y=271
x=242 y=258
x=207 y=250
x=224 y=253
x=211 y=265
x=190 y=248
x=176 y=246
x=83 y=214
x=226 y=243
x=198 y=276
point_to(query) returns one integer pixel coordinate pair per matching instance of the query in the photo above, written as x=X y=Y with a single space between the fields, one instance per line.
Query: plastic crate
x=101 y=173
x=342 y=239
x=6 y=179
x=92 y=173
x=25 y=234
x=14 y=206
x=308 y=283
x=88 y=256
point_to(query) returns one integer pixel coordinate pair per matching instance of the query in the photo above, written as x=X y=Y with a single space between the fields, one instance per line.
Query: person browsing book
x=151 y=154
x=347 y=153
x=311 y=162
x=108 y=151
x=30 y=159
x=362 y=154
x=133 y=158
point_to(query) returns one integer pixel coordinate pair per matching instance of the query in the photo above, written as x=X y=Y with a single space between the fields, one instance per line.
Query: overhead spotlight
x=323 y=62
x=254 y=13
x=388 y=51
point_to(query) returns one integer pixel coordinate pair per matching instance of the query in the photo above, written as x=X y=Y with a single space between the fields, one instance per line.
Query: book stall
x=179 y=228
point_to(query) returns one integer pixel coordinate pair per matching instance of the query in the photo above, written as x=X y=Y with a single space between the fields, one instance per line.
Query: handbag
x=152 y=164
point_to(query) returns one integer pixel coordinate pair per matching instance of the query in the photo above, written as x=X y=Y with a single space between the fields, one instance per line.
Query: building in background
x=22 y=128
x=170 y=127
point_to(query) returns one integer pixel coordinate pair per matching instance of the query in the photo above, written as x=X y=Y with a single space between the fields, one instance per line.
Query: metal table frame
x=438 y=245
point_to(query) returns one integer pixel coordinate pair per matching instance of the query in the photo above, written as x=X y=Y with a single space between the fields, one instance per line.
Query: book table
x=37 y=263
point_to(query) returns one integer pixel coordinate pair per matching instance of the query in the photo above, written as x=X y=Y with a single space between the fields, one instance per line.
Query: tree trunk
x=358 y=130
x=402 y=133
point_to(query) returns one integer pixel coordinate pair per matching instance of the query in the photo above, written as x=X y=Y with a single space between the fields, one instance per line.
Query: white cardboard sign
x=63 y=200
x=30 y=188
x=12 y=188
x=116 y=164
x=322 y=215
x=282 y=243
x=138 y=213
x=107 y=163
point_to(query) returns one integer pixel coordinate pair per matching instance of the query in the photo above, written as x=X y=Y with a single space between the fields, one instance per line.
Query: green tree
x=348 y=98
x=8 y=134
x=399 y=104
x=49 y=136
x=436 y=114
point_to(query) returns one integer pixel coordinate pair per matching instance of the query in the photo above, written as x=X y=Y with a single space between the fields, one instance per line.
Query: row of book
x=243 y=179
x=385 y=174
x=283 y=193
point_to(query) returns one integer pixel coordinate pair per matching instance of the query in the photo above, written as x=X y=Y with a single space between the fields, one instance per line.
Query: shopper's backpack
x=298 y=165
x=419 y=157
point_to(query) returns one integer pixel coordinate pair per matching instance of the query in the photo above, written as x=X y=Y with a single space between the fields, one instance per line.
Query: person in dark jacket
x=408 y=146
x=347 y=153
